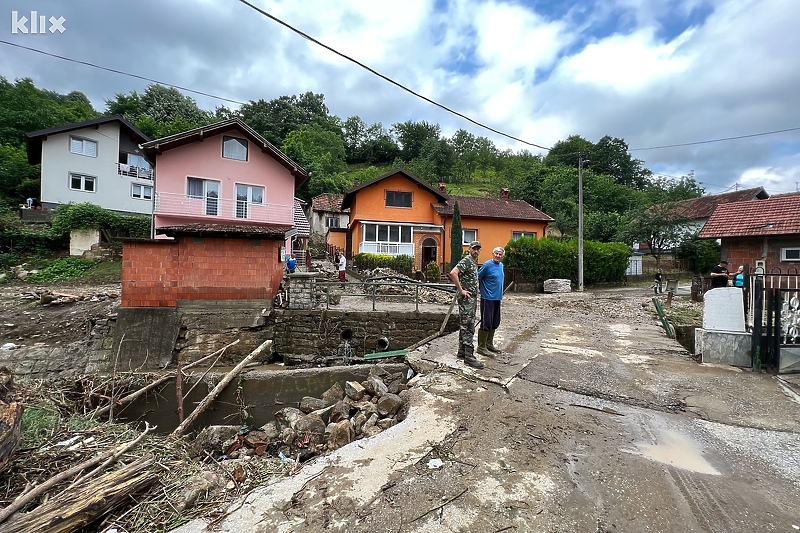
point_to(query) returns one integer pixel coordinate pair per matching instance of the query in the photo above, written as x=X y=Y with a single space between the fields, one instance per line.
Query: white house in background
x=97 y=161
x=327 y=213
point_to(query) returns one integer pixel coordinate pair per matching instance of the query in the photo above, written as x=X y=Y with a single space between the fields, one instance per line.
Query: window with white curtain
x=81 y=182
x=469 y=235
x=246 y=196
x=142 y=192
x=234 y=148
x=206 y=190
x=81 y=146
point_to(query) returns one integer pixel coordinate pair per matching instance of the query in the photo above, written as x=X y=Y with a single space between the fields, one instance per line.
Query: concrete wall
x=81 y=240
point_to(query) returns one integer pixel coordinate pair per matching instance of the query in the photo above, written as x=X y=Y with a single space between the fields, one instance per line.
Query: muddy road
x=590 y=421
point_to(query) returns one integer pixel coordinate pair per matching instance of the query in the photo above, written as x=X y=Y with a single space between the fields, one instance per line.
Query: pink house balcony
x=210 y=209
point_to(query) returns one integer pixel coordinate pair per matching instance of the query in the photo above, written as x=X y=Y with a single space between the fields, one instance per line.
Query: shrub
x=90 y=216
x=62 y=270
x=432 y=272
x=401 y=264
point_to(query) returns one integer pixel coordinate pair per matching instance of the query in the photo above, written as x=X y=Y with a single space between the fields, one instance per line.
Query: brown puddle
x=678 y=450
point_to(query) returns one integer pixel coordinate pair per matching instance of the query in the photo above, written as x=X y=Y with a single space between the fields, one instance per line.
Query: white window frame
x=210 y=202
x=794 y=251
x=242 y=208
x=516 y=235
x=84 y=180
x=81 y=146
x=389 y=233
x=145 y=192
x=466 y=240
x=231 y=146
x=332 y=222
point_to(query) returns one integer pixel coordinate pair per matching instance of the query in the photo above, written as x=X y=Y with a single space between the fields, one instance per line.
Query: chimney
x=504 y=193
x=442 y=187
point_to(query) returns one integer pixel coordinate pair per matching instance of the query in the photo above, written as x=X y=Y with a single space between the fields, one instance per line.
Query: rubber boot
x=470 y=359
x=460 y=354
x=482 y=337
x=490 y=342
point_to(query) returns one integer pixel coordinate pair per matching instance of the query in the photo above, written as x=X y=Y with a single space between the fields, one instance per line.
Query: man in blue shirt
x=490 y=277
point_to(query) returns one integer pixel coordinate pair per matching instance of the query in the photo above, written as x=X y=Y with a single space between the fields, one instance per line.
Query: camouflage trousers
x=467 y=308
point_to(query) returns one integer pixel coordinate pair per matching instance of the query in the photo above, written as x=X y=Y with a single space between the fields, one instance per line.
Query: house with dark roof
x=697 y=211
x=224 y=217
x=98 y=161
x=399 y=214
x=328 y=220
x=763 y=234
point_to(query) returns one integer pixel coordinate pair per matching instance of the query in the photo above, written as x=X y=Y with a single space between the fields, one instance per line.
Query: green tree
x=413 y=136
x=276 y=119
x=320 y=152
x=18 y=179
x=661 y=227
x=456 y=237
x=699 y=255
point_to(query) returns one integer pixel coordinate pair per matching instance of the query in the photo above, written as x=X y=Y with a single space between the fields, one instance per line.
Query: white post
x=580 y=222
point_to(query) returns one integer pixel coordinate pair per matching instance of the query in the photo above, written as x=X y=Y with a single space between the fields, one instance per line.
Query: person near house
x=658 y=283
x=336 y=258
x=465 y=277
x=342 y=268
x=738 y=278
x=490 y=278
x=291 y=264
x=720 y=275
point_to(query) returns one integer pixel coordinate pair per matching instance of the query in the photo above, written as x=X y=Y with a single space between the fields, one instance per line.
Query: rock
x=388 y=404
x=341 y=411
x=342 y=434
x=386 y=423
x=557 y=285
x=206 y=482
x=212 y=439
x=333 y=394
x=271 y=430
x=309 y=404
x=287 y=417
x=376 y=386
x=354 y=390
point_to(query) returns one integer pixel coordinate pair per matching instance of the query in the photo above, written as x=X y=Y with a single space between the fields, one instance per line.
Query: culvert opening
x=383 y=344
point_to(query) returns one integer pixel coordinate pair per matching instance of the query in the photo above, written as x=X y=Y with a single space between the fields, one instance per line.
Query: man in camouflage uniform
x=465 y=277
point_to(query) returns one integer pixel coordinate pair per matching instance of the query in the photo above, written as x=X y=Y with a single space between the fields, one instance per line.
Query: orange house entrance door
x=428 y=252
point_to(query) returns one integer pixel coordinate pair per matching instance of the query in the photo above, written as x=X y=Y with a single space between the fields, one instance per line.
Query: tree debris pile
x=89 y=475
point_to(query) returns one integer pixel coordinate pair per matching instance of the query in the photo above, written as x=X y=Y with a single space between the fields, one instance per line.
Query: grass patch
x=103 y=272
x=65 y=269
x=39 y=422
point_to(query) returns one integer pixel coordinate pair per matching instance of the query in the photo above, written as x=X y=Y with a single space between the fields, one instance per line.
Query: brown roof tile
x=329 y=202
x=703 y=207
x=475 y=206
x=350 y=195
x=778 y=215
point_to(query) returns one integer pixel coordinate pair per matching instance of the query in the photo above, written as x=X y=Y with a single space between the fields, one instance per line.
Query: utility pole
x=581 y=161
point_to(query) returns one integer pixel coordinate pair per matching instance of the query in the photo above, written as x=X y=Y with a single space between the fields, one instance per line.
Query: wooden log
x=10 y=417
x=87 y=502
x=218 y=389
x=26 y=497
x=132 y=396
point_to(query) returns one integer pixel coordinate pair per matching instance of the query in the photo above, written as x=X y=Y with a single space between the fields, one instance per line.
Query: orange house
x=399 y=214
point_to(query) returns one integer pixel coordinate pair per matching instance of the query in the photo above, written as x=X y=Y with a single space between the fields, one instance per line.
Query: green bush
x=538 y=260
x=62 y=270
x=432 y=272
x=90 y=216
x=402 y=264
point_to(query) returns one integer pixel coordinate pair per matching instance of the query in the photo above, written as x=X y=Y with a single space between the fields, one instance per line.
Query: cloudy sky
x=655 y=73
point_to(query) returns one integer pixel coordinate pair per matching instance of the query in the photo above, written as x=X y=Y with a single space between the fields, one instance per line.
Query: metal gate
x=774 y=316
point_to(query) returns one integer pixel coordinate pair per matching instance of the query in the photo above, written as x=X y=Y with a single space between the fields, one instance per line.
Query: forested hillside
x=339 y=152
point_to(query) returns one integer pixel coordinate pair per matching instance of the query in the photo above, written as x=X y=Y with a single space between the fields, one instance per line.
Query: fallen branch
x=23 y=499
x=116 y=455
x=132 y=396
x=75 y=509
x=218 y=389
x=439 y=506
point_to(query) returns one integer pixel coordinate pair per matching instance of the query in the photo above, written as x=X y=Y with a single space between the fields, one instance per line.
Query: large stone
x=557 y=285
x=287 y=416
x=388 y=404
x=212 y=439
x=333 y=394
x=309 y=404
x=341 y=435
x=354 y=390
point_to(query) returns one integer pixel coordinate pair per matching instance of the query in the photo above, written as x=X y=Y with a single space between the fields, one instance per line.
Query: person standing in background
x=719 y=275
x=491 y=278
x=342 y=268
x=738 y=278
x=658 y=283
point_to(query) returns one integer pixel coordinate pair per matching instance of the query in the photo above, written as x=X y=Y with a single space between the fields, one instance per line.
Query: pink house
x=223 y=212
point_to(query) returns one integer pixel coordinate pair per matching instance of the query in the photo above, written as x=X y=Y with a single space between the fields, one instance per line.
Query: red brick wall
x=159 y=273
x=748 y=251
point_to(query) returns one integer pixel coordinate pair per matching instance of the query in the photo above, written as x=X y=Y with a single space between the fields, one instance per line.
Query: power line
x=386 y=78
x=715 y=140
x=115 y=71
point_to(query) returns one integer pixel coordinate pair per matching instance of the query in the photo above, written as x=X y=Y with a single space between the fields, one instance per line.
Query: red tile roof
x=329 y=202
x=350 y=195
x=703 y=207
x=778 y=215
x=226 y=230
x=482 y=207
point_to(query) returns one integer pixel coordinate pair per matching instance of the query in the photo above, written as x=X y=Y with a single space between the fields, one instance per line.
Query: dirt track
x=592 y=420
